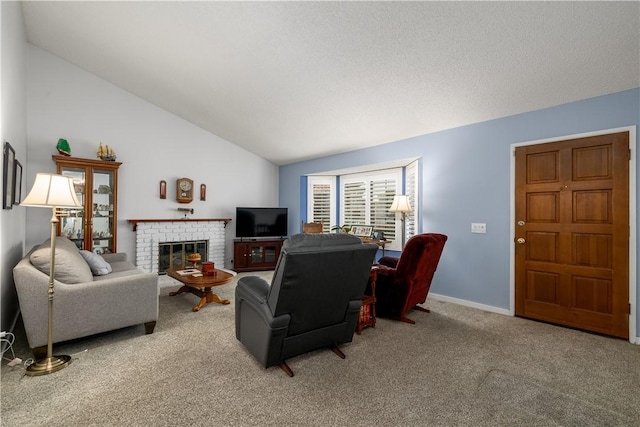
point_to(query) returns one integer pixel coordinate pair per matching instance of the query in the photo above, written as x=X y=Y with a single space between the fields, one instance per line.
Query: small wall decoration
x=163 y=189
x=7 y=180
x=17 y=183
x=203 y=192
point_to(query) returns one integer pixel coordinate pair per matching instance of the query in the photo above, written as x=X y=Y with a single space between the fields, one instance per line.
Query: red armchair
x=404 y=282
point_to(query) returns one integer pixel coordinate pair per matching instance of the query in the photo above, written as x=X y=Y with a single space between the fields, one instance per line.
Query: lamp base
x=48 y=365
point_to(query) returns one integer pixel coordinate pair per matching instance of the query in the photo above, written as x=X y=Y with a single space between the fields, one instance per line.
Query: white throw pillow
x=99 y=267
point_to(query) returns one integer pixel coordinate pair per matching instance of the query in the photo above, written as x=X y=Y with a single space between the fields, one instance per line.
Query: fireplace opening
x=174 y=254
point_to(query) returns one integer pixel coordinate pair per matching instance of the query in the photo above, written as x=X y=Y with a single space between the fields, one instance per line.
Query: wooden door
x=572 y=233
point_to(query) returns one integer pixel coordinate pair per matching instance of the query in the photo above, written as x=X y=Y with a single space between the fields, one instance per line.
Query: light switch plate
x=477 y=227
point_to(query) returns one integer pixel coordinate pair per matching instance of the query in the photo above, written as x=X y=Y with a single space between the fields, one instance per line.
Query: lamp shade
x=51 y=190
x=400 y=204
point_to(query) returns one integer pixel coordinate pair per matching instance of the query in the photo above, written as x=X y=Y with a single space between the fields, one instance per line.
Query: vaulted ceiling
x=291 y=81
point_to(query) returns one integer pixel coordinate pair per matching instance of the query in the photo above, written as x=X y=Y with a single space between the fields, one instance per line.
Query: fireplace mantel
x=136 y=221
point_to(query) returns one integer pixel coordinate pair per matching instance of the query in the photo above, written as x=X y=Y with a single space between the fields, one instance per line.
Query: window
x=366 y=199
x=411 y=190
x=321 y=201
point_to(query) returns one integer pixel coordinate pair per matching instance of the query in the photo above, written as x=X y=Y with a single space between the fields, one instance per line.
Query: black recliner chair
x=313 y=302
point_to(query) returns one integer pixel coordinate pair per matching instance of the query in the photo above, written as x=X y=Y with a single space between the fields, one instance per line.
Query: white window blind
x=321 y=201
x=411 y=191
x=366 y=199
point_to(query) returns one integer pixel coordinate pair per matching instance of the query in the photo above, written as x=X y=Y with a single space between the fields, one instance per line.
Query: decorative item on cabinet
x=163 y=189
x=106 y=153
x=63 y=147
x=203 y=192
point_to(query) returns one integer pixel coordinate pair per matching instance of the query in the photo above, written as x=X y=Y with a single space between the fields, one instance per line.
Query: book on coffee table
x=188 y=271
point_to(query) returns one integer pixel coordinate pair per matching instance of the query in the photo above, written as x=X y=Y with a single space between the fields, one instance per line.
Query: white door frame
x=633 y=333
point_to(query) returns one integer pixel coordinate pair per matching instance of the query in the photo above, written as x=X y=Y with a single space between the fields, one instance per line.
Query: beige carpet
x=456 y=366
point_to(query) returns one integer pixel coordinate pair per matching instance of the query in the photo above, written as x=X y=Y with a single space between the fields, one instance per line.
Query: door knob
x=521 y=241
x=521 y=223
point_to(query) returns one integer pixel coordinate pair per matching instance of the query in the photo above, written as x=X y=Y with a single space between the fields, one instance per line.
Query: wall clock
x=184 y=190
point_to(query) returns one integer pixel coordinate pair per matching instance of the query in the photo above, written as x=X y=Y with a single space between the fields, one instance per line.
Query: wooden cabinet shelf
x=254 y=255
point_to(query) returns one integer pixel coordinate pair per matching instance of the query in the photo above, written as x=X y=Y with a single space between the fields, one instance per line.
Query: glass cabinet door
x=73 y=225
x=102 y=219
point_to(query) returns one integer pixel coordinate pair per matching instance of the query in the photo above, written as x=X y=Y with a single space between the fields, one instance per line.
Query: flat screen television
x=261 y=222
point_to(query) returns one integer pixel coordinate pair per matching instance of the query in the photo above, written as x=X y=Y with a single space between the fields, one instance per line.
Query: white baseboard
x=491 y=309
x=466 y=303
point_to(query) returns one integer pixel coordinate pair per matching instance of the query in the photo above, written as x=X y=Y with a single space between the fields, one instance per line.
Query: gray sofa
x=84 y=304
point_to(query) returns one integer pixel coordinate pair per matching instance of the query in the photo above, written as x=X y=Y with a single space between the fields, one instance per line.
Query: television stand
x=256 y=254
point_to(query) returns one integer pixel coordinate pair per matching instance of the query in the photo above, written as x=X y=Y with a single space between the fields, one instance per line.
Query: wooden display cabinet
x=254 y=255
x=94 y=226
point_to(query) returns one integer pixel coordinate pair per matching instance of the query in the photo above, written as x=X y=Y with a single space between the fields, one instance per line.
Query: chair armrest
x=383 y=270
x=255 y=286
x=115 y=257
x=254 y=290
x=389 y=261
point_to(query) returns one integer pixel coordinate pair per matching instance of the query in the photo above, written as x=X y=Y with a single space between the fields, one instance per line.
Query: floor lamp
x=401 y=205
x=55 y=192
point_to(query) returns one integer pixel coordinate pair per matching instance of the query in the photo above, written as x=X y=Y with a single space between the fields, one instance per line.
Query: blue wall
x=465 y=178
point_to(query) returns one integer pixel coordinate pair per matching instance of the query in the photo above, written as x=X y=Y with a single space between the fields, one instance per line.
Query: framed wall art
x=7 y=179
x=17 y=183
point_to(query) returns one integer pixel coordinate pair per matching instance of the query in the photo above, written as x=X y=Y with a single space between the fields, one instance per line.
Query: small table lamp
x=401 y=204
x=55 y=192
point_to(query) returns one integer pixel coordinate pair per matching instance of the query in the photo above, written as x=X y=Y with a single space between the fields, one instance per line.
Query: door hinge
x=629 y=308
x=629 y=153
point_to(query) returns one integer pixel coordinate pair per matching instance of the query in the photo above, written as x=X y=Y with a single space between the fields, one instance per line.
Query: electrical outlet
x=477 y=227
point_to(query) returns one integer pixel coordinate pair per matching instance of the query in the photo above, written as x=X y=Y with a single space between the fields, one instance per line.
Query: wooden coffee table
x=201 y=286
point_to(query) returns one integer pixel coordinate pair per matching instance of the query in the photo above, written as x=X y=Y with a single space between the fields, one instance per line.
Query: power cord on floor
x=7 y=339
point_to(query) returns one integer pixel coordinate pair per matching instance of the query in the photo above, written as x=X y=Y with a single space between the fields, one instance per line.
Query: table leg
x=206 y=297
x=211 y=297
x=183 y=289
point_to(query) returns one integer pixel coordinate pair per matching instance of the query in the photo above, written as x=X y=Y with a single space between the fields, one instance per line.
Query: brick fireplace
x=150 y=233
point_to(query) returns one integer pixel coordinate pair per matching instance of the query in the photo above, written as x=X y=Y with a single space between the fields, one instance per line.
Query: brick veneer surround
x=150 y=234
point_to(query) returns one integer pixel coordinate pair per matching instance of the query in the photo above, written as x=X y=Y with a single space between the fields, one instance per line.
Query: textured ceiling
x=291 y=81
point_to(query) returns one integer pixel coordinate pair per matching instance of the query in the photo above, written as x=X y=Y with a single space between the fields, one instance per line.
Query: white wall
x=64 y=101
x=13 y=130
